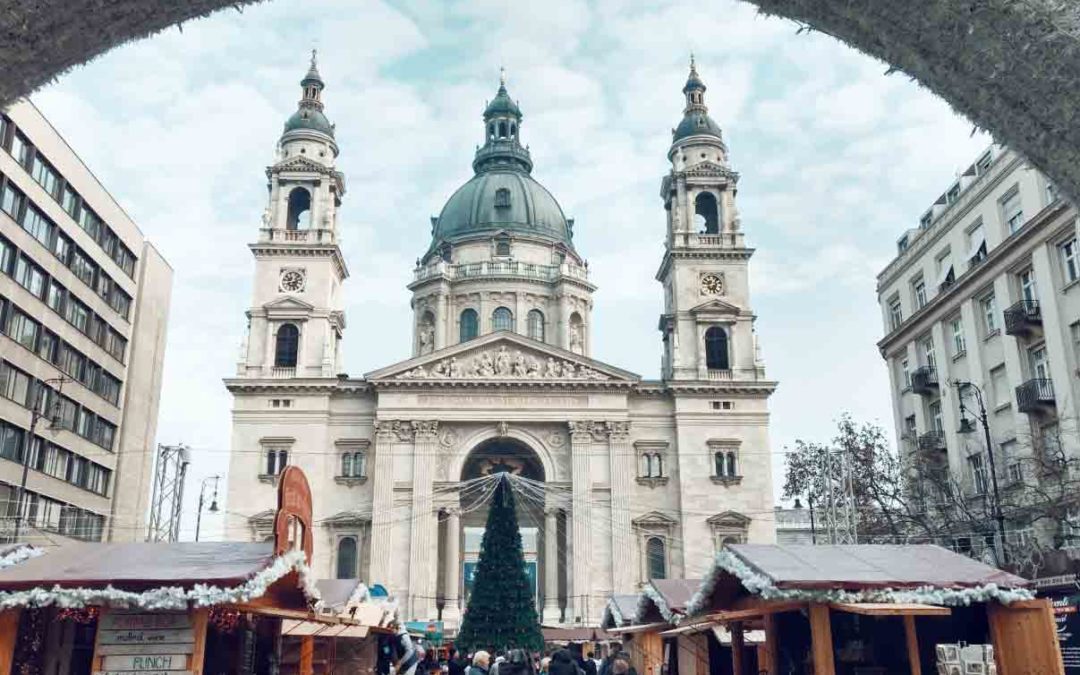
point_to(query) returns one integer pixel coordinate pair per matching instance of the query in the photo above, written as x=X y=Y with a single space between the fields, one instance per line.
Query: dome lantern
x=502 y=134
x=309 y=115
x=696 y=120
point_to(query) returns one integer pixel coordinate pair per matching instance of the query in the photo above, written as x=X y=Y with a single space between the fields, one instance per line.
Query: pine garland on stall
x=502 y=610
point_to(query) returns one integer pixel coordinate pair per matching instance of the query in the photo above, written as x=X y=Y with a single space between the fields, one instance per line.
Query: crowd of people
x=407 y=658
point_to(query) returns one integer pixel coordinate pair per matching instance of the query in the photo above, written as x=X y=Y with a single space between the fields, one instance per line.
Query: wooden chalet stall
x=176 y=608
x=877 y=610
x=652 y=639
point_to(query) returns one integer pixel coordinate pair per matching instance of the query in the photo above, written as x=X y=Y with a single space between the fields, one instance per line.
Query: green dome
x=529 y=209
x=502 y=104
x=696 y=123
x=309 y=118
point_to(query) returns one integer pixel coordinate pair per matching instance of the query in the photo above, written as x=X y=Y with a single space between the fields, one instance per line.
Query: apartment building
x=84 y=301
x=986 y=290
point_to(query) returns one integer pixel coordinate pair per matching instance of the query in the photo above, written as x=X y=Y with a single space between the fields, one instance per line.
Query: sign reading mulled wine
x=145 y=642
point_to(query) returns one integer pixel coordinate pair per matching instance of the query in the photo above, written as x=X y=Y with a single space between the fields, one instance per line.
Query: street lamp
x=968 y=427
x=35 y=415
x=202 y=498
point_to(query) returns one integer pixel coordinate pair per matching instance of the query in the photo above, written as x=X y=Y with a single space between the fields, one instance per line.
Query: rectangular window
x=983 y=164
x=108 y=387
x=70 y=202
x=910 y=427
x=30 y=276
x=1038 y=363
x=905 y=374
x=976 y=242
x=72 y=362
x=7 y=256
x=39 y=227
x=23 y=329
x=48 y=346
x=77 y=314
x=1012 y=211
x=988 y=305
x=20 y=149
x=83 y=267
x=1074 y=334
x=14 y=384
x=937 y=422
x=121 y=302
x=1052 y=193
x=55 y=297
x=62 y=247
x=918 y=290
x=896 y=315
x=1026 y=281
x=11 y=201
x=999 y=387
x=929 y=357
x=978 y=473
x=1070 y=264
x=45 y=175
x=66 y=413
x=90 y=222
x=959 y=344
x=116 y=345
x=125 y=259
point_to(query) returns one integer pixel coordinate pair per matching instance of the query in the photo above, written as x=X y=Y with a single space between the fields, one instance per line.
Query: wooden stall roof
x=619 y=611
x=140 y=565
x=576 y=635
x=868 y=566
x=665 y=599
x=336 y=593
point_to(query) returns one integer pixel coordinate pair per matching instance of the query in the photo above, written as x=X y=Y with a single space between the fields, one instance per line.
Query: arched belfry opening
x=707 y=213
x=299 y=209
x=542 y=526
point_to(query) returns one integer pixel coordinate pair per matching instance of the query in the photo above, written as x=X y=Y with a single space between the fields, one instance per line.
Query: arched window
x=644 y=466
x=658 y=465
x=299 y=209
x=656 y=559
x=491 y=130
x=470 y=325
x=577 y=334
x=502 y=319
x=719 y=464
x=708 y=213
x=513 y=130
x=288 y=341
x=732 y=467
x=536 y=325
x=346 y=558
x=502 y=129
x=716 y=349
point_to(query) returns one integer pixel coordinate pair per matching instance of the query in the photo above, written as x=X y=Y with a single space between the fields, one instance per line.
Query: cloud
x=836 y=161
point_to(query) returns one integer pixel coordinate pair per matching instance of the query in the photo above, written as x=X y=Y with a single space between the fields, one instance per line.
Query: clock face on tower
x=292 y=280
x=712 y=284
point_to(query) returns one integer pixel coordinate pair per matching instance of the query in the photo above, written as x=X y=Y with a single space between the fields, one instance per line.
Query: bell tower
x=296 y=319
x=707 y=324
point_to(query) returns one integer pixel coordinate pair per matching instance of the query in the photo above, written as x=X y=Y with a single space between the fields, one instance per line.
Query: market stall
x=207 y=607
x=876 y=610
x=656 y=644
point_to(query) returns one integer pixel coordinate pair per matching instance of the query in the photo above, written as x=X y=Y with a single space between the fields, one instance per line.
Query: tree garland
x=650 y=594
x=171 y=597
x=19 y=555
x=761 y=585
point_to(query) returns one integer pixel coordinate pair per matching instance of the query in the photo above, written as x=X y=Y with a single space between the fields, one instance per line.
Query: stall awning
x=300 y=628
x=891 y=609
x=644 y=627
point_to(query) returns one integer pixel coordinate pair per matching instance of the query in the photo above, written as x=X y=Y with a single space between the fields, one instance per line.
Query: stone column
x=580 y=439
x=551 y=614
x=382 y=517
x=452 y=608
x=268 y=351
x=440 y=321
x=423 y=549
x=622 y=462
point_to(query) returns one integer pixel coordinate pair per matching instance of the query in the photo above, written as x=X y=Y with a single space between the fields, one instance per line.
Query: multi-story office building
x=84 y=300
x=986 y=290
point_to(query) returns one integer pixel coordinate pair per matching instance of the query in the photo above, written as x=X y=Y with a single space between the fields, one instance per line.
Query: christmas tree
x=502 y=610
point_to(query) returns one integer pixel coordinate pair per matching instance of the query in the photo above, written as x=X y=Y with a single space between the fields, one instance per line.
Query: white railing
x=502 y=268
x=280 y=371
x=715 y=374
x=275 y=234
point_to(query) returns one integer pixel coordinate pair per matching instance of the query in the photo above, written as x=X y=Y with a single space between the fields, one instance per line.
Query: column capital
x=618 y=430
x=583 y=431
x=425 y=429
x=384 y=429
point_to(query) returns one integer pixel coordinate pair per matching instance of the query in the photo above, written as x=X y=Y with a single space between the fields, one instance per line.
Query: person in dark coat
x=563 y=663
x=586 y=665
x=456 y=665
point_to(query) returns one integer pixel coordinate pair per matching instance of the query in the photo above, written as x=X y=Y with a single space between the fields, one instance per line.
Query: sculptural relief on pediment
x=503 y=363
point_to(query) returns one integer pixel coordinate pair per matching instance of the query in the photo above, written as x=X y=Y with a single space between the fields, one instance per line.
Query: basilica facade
x=644 y=478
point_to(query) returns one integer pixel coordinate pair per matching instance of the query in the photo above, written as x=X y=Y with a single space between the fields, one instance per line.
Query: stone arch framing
x=1010 y=67
x=539 y=447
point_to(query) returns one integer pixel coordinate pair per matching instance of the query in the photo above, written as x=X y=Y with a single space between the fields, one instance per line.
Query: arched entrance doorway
x=542 y=527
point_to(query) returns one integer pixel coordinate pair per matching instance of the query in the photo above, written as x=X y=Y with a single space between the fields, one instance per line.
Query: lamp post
x=35 y=415
x=966 y=427
x=202 y=498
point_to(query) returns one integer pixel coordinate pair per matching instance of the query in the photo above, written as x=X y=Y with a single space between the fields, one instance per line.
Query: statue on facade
x=502 y=362
x=485 y=367
x=519 y=365
x=455 y=367
x=427 y=338
x=577 y=338
x=551 y=368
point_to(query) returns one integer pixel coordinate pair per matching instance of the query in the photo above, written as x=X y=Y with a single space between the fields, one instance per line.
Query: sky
x=836 y=161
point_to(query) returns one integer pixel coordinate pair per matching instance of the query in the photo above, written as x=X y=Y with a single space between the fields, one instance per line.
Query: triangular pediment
x=710 y=168
x=300 y=163
x=287 y=304
x=654 y=518
x=729 y=519
x=716 y=306
x=502 y=356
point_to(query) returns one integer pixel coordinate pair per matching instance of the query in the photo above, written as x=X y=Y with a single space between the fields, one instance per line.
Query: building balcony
x=1022 y=318
x=500 y=268
x=277 y=235
x=719 y=375
x=924 y=381
x=282 y=372
x=932 y=441
x=1035 y=396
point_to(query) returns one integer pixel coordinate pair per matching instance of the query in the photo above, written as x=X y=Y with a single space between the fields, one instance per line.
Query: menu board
x=1067 y=620
x=152 y=643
